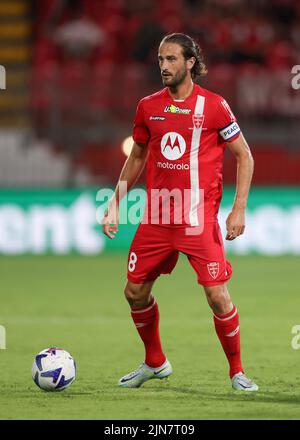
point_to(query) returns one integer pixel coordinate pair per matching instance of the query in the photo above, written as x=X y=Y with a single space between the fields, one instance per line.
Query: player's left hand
x=111 y=220
x=235 y=223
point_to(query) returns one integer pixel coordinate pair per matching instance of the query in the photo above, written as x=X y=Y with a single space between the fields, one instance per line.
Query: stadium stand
x=81 y=94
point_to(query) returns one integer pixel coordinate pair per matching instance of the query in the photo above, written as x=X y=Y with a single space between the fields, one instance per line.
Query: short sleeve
x=141 y=133
x=226 y=122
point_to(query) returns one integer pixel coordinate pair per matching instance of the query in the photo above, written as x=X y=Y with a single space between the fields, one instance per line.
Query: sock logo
x=213 y=269
x=230 y=335
x=140 y=324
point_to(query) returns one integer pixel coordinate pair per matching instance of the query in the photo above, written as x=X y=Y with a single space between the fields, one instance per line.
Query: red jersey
x=186 y=141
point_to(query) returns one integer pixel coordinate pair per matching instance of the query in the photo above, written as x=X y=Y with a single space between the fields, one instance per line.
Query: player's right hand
x=110 y=222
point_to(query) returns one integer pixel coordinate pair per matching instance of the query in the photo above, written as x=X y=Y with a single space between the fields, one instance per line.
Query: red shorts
x=155 y=250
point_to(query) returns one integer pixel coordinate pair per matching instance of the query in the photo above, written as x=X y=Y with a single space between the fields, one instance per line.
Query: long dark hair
x=189 y=49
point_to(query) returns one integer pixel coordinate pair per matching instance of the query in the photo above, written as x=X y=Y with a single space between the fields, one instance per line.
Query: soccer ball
x=53 y=369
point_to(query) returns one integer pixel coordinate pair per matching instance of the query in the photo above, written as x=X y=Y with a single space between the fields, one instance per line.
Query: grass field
x=77 y=303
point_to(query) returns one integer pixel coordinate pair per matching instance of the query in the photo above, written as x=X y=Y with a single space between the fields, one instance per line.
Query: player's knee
x=218 y=298
x=136 y=296
x=129 y=293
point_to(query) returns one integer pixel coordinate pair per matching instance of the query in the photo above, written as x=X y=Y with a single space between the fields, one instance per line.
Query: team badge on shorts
x=213 y=269
x=198 y=120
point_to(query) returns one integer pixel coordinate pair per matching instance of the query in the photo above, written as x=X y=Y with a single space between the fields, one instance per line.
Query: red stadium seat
x=103 y=82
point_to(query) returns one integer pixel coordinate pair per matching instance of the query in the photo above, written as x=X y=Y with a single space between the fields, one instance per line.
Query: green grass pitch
x=77 y=303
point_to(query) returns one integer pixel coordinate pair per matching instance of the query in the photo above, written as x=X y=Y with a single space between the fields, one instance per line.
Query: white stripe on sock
x=226 y=319
x=144 y=310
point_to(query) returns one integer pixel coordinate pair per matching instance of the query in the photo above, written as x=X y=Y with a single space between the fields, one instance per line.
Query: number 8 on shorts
x=132 y=261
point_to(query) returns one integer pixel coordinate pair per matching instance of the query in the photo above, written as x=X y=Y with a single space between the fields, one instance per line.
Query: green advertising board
x=61 y=221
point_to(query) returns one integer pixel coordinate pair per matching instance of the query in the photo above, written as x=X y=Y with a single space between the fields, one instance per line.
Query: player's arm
x=235 y=222
x=130 y=173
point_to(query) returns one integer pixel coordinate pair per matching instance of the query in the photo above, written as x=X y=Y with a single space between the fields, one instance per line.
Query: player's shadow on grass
x=239 y=396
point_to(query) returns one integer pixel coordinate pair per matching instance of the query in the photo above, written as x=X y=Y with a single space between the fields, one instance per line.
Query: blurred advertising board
x=60 y=221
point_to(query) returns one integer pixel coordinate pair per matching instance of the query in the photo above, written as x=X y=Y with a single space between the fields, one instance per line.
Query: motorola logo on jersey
x=172 y=145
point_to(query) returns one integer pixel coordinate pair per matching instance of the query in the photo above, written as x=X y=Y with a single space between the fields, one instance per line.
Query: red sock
x=228 y=331
x=147 y=323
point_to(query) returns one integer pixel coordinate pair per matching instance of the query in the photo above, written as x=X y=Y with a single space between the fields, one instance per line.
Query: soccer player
x=181 y=132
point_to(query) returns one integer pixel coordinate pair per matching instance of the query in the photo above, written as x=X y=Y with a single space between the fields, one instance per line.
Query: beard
x=173 y=81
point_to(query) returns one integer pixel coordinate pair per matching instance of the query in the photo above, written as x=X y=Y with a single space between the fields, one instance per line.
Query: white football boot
x=242 y=383
x=143 y=373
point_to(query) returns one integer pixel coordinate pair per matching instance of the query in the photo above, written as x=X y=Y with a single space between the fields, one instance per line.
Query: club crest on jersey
x=198 y=120
x=213 y=269
x=172 y=145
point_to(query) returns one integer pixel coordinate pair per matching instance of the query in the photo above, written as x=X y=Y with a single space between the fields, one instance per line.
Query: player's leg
x=227 y=325
x=206 y=255
x=145 y=315
x=149 y=256
x=226 y=320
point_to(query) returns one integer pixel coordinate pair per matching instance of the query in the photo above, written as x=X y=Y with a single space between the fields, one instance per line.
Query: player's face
x=173 y=65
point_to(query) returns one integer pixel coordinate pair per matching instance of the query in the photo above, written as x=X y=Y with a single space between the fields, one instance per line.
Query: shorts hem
x=212 y=283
